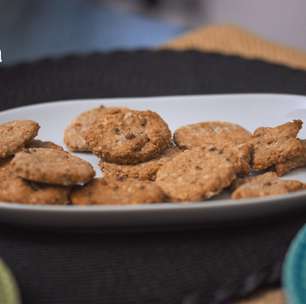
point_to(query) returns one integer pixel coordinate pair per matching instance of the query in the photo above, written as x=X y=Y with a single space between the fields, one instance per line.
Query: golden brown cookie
x=265 y=185
x=126 y=136
x=110 y=192
x=276 y=145
x=291 y=164
x=17 y=190
x=37 y=143
x=202 y=133
x=141 y=171
x=239 y=155
x=52 y=167
x=15 y=135
x=196 y=174
x=74 y=133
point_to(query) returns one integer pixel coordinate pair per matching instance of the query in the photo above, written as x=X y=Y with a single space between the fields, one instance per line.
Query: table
x=232 y=40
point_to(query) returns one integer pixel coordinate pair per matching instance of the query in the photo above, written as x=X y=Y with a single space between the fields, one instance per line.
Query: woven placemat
x=232 y=40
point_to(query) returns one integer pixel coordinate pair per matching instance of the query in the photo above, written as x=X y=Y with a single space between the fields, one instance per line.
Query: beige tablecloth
x=232 y=40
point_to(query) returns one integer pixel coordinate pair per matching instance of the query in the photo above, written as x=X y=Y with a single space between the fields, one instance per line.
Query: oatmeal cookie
x=15 y=135
x=52 y=167
x=196 y=174
x=17 y=190
x=129 y=136
x=265 y=185
x=110 y=192
x=141 y=171
x=291 y=164
x=196 y=135
x=239 y=155
x=276 y=145
x=74 y=133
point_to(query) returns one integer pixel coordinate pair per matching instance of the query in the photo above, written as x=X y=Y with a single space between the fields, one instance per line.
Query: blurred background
x=34 y=29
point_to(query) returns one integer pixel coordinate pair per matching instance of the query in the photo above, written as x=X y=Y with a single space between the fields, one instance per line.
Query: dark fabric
x=143 y=73
x=188 y=266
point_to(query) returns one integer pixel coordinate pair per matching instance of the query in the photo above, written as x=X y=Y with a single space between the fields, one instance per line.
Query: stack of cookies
x=34 y=171
x=142 y=163
x=121 y=137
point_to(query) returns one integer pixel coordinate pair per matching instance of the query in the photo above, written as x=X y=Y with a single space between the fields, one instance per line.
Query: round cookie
x=17 y=190
x=15 y=135
x=196 y=135
x=196 y=174
x=52 y=167
x=128 y=136
x=37 y=143
x=141 y=171
x=74 y=133
x=110 y=192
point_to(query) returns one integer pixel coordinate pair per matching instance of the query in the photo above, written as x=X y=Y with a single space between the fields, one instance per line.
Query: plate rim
x=208 y=204
x=176 y=98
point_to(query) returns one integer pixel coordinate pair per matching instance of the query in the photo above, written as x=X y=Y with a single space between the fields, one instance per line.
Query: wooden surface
x=232 y=40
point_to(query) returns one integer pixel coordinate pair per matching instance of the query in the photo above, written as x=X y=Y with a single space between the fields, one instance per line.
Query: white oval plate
x=249 y=110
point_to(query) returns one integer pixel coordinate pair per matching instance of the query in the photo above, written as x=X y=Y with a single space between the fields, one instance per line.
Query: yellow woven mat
x=234 y=41
x=266 y=297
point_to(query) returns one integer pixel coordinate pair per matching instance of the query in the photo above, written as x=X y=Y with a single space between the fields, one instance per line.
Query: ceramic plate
x=249 y=110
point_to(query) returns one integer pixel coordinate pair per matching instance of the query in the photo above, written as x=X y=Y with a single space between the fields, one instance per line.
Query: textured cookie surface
x=196 y=174
x=291 y=164
x=52 y=166
x=276 y=145
x=37 y=143
x=265 y=185
x=74 y=133
x=239 y=155
x=15 y=135
x=16 y=190
x=110 y=192
x=128 y=136
x=141 y=171
x=196 y=135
